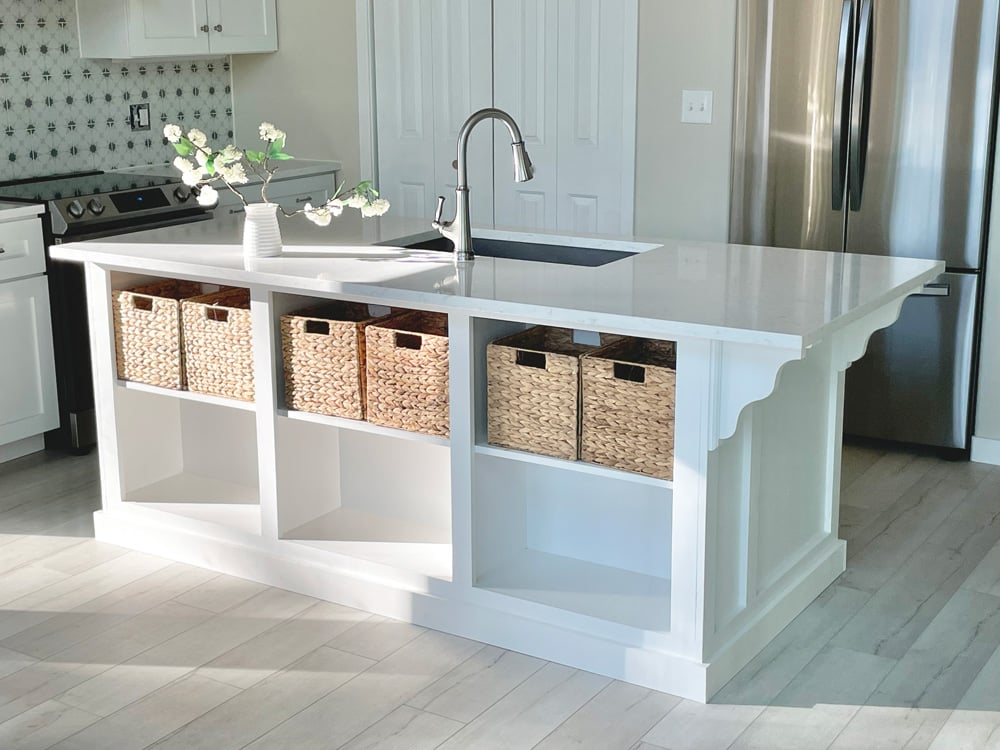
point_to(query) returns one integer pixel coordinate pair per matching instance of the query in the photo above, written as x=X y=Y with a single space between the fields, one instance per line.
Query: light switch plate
x=696 y=107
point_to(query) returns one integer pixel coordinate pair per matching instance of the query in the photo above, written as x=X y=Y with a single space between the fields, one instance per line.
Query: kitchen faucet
x=459 y=231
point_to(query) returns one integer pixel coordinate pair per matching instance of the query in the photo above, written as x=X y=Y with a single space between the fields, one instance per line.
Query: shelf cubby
x=190 y=457
x=377 y=494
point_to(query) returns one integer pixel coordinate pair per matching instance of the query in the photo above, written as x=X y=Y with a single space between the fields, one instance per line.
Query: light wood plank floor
x=105 y=648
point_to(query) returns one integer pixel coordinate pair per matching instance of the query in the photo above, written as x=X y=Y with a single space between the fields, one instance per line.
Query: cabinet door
x=22 y=252
x=239 y=26
x=433 y=68
x=568 y=77
x=168 y=27
x=27 y=371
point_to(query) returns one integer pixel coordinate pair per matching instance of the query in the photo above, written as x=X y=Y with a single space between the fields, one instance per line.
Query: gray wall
x=682 y=170
x=308 y=88
x=987 y=424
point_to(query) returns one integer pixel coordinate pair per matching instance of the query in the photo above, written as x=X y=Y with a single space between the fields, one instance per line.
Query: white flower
x=234 y=174
x=270 y=133
x=228 y=155
x=172 y=133
x=335 y=206
x=198 y=138
x=201 y=157
x=356 y=201
x=376 y=208
x=208 y=196
x=191 y=178
x=319 y=215
x=184 y=165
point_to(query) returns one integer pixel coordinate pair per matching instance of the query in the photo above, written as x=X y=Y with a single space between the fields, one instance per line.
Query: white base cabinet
x=674 y=585
x=28 y=405
x=122 y=29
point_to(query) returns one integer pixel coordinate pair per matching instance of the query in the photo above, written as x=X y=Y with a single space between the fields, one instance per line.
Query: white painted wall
x=682 y=170
x=308 y=88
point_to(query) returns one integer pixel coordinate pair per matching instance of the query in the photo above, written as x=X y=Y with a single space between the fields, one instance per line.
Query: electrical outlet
x=696 y=107
x=138 y=116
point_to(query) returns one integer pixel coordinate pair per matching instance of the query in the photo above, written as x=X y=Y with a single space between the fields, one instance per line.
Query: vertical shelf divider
x=463 y=408
x=266 y=358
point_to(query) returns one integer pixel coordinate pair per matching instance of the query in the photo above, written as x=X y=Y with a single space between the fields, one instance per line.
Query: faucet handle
x=439 y=211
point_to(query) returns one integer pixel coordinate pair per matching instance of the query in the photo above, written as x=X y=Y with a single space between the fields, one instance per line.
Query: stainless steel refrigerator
x=867 y=126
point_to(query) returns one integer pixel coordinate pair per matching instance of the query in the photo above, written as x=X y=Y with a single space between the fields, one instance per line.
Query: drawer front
x=21 y=250
x=28 y=404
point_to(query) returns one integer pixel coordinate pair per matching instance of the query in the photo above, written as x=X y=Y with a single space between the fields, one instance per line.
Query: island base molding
x=986 y=450
x=279 y=565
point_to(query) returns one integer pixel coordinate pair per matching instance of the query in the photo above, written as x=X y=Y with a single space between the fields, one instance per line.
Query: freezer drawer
x=913 y=383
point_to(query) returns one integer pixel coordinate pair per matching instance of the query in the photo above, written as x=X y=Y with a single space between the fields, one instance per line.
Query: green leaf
x=210 y=164
x=184 y=147
x=254 y=156
x=281 y=157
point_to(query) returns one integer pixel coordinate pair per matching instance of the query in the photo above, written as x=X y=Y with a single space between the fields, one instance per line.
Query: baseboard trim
x=986 y=450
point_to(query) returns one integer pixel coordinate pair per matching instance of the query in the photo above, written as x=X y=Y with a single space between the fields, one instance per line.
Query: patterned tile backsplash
x=59 y=113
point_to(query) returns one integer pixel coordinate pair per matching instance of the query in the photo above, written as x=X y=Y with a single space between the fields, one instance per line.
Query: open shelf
x=377 y=494
x=362 y=426
x=594 y=542
x=580 y=467
x=641 y=601
x=188 y=457
x=201 y=398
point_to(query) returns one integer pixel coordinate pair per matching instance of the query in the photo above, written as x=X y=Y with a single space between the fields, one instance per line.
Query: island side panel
x=773 y=501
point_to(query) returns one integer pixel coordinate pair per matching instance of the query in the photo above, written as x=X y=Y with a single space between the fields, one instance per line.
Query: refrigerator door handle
x=861 y=103
x=842 y=104
x=934 y=290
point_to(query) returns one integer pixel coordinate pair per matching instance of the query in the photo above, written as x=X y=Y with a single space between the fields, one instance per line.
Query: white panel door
x=432 y=70
x=27 y=371
x=239 y=26
x=569 y=78
x=525 y=85
x=168 y=27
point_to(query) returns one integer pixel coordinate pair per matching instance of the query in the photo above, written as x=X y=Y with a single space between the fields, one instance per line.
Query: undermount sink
x=515 y=250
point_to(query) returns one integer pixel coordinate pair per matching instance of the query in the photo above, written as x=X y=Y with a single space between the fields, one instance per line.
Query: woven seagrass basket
x=218 y=347
x=323 y=355
x=628 y=407
x=407 y=369
x=533 y=390
x=148 y=332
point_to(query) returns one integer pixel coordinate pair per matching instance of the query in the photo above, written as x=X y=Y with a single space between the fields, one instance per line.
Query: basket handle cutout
x=220 y=314
x=409 y=341
x=632 y=373
x=530 y=359
x=318 y=326
x=142 y=303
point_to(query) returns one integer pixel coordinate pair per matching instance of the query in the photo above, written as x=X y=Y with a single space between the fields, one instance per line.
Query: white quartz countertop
x=14 y=211
x=669 y=289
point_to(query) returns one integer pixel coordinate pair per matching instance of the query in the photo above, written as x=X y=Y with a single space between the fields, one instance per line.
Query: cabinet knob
x=204 y=28
x=218 y=27
x=2 y=251
x=308 y=198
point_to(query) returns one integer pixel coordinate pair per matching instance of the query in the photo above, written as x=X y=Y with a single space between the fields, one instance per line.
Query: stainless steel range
x=81 y=207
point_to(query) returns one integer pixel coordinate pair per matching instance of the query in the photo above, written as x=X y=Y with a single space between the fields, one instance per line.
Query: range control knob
x=182 y=193
x=95 y=206
x=75 y=209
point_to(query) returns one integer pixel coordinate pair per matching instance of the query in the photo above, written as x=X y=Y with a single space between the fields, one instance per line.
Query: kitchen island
x=674 y=585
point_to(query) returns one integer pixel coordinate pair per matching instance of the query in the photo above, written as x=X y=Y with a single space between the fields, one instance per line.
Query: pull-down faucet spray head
x=523 y=169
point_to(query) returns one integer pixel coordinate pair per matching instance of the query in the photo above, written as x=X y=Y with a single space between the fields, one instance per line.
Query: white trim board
x=986 y=450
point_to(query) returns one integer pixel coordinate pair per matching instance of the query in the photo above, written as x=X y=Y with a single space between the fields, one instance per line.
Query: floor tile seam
x=389 y=713
x=662 y=718
x=842 y=648
x=579 y=708
x=35 y=560
x=69 y=707
x=843 y=728
x=311 y=703
x=533 y=672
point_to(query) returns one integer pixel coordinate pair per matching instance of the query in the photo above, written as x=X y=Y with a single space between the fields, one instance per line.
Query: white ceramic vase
x=261 y=234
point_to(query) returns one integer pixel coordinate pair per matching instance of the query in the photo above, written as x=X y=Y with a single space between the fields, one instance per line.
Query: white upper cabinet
x=172 y=28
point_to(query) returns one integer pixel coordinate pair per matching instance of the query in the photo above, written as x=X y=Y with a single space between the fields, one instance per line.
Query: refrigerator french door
x=867 y=126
